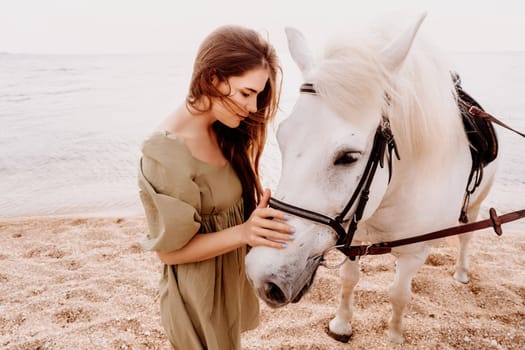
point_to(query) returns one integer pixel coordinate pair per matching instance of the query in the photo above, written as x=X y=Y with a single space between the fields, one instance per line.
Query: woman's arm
x=258 y=230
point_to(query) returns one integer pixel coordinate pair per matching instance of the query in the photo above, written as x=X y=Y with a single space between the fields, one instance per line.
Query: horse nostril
x=274 y=293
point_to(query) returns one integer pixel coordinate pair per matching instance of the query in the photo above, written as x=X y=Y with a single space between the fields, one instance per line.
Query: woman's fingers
x=269 y=243
x=269 y=212
x=265 y=230
x=272 y=213
x=272 y=240
x=279 y=237
x=277 y=226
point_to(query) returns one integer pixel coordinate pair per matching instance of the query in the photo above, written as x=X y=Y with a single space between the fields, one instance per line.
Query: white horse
x=326 y=143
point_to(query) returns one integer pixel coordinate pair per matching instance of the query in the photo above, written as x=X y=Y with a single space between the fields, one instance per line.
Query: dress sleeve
x=171 y=203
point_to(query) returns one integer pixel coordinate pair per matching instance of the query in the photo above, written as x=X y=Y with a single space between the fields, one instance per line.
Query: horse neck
x=419 y=196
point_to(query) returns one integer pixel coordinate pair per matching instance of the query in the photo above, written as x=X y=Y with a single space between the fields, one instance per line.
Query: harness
x=483 y=147
x=383 y=143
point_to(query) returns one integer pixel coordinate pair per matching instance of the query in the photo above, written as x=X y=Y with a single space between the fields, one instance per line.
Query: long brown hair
x=232 y=51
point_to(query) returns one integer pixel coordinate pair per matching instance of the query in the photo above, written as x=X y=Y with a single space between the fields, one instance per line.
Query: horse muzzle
x=288 y=286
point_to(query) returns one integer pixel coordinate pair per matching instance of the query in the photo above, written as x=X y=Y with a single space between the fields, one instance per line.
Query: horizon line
x=28 y=53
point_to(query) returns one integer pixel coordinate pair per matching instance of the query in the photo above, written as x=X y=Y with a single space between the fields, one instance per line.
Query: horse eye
x=346 y=158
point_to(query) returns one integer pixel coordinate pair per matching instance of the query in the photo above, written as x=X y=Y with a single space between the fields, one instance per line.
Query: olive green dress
x=204 y=305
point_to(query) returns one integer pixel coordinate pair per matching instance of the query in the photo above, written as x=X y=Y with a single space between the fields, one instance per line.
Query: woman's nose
x=252 y=105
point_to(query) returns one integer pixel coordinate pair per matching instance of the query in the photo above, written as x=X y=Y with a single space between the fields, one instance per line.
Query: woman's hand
x=261 y=230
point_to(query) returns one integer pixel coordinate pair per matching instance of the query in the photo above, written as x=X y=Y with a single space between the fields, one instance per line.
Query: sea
x=71 y=126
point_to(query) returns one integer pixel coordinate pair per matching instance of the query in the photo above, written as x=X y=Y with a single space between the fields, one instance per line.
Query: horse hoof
x=395 y=337
x=343 y=338
x=461 y=277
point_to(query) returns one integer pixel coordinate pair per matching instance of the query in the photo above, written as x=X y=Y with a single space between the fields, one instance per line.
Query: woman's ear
x=214 y=79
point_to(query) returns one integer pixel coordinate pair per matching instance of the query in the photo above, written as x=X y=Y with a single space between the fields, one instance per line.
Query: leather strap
x=308 y=88
x=494 y=221
x=480 y=113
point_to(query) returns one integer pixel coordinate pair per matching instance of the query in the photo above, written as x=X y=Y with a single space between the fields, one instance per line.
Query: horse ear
x=299 y=49
x=397 y=50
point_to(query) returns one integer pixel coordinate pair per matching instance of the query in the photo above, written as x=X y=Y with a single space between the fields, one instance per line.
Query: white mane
x=423 y=111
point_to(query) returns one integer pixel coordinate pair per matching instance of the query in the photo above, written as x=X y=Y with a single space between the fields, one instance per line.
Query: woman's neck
x=196 y=129
x=187 y=122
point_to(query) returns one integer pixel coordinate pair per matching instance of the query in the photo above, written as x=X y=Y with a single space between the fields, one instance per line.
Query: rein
x=494 y=221
x=384 y=141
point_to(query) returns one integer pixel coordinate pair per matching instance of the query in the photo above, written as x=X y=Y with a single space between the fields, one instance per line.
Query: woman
x=202 y=196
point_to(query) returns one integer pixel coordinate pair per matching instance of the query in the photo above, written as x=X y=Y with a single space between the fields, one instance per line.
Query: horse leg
x=406 y=267
x=339 y=327
x=461 y=272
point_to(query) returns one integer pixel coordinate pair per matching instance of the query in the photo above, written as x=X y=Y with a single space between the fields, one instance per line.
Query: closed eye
x=346 y=157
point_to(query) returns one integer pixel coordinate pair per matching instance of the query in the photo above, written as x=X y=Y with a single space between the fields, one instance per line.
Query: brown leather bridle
x=383 y=143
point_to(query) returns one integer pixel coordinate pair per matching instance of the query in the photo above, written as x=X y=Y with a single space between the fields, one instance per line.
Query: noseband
x=383 y=142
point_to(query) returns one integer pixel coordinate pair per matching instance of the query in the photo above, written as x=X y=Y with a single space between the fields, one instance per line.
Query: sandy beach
x=84 y=283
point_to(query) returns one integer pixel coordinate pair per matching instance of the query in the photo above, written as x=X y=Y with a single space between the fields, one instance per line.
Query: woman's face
x=242 y=91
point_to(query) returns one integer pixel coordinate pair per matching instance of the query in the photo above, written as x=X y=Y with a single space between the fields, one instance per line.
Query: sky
x=165 y=26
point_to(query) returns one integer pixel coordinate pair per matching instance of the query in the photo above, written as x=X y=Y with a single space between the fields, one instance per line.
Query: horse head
x=326 y=143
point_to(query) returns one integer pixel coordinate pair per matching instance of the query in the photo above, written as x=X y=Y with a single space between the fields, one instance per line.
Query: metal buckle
x=328 y=266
